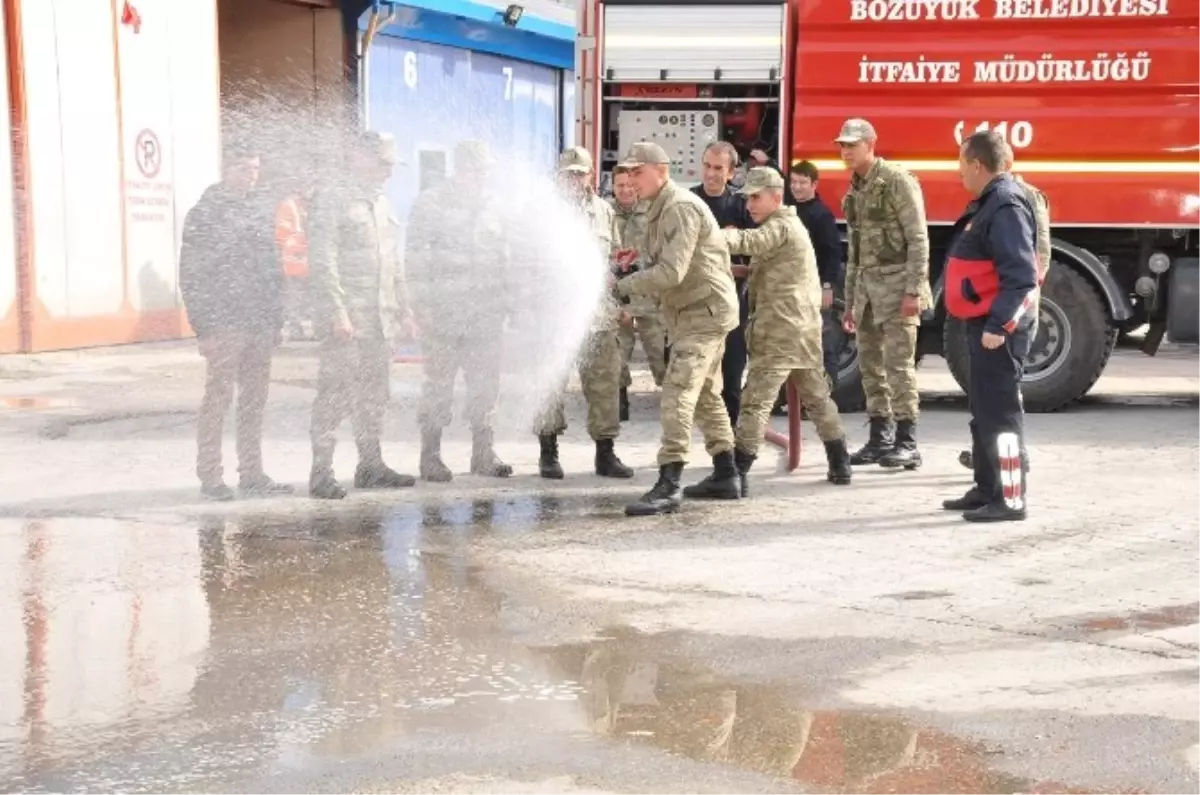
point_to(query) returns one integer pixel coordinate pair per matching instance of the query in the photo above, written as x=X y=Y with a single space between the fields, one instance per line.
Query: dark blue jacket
x=992 y=269
x=730 y=210
x=827 y=241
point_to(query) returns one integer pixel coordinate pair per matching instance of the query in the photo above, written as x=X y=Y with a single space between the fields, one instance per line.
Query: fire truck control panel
x=682 y=133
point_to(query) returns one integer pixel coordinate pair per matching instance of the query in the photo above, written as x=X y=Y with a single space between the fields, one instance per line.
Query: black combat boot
x=484 y=460
x=995 y=511
x=743 y=462
x=372 y=473
x=262 y=486
x=881 y=441
x=216 y=492
x=433 y=468
x=974 y=498
x=839 y=462
x=664 y=497
x=607 y=463
x=624 y=405
x=322 y=485
x=722 y=484
x=904 y=453
x=548 y=466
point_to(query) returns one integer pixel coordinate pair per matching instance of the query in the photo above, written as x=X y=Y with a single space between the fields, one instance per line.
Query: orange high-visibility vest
x=291 y=239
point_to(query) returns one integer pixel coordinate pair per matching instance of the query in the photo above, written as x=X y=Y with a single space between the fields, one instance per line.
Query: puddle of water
x=143 y=657
x=1168 y=617
x=33 y=403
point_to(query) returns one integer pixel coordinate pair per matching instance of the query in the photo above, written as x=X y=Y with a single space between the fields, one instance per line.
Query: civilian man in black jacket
x=827 y=241
x=991 y=283
x=729 y=208
x=232 y=288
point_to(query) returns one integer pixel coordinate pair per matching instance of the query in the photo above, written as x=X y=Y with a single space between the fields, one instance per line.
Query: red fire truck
x=1098 y=98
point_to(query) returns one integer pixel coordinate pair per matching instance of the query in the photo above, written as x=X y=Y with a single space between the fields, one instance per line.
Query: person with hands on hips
x=992 y=283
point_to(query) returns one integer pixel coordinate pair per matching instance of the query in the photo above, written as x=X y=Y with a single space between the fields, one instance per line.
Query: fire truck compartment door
x=693 y=43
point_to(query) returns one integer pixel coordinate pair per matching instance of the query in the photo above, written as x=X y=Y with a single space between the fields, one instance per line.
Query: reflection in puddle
x=157 y=658
x=691 y=712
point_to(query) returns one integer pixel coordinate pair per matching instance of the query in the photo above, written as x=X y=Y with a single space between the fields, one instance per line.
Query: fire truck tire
x=1074 y=342
x=1183 y=288
x=848 y=394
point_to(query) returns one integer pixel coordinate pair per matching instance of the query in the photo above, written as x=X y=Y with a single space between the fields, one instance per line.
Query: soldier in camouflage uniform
x=690 y=275
x=887 y=289
x=360 y=304
x=1041 y=217
x=600 y=360
x=457 y=252
x=784 y=332
x=640 y=317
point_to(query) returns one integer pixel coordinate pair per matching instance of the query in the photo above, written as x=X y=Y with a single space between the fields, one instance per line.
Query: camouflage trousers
x=887 y=353
x=353 y=379
x=691 y=393
x=653 y=335
x=758 y=396
x=478 y=357
x=599 y=375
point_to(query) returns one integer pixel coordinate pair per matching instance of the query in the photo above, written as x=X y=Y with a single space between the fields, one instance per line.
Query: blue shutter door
x=430 y=96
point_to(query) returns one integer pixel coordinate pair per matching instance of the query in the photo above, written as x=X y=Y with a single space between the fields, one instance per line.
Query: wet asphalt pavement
x=358 y=650
x=526 y=637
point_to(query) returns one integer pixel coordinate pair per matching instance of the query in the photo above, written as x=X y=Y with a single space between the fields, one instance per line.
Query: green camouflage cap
x=382 y=145
x=761 y=178
x=645 y=153
x=472 y=155
x=575 y=159
x=855 y=130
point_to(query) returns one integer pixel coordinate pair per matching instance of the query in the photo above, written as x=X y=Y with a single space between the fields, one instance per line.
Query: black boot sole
x=621 y=474
x=866 y=461
x=551 y=474
x=838 y=480
x=504 y=471
x=646 y=509
x=1012 y=516
x=406 y=483
x=318 y=494
x=961 y=505
x=908 y=466
x=734 y=494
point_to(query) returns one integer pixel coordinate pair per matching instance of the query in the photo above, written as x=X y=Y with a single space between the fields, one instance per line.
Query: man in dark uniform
x=991 y=283
x=827 y=242
x=729 y=208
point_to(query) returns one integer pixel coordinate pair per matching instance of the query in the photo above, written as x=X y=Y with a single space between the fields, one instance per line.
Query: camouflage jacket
x=629 y=232
x=599 y=217
x=459 y=261
x=689 y=266
x=354 y=266
x=1041 y=216
x=888 y=253
x=785 y=292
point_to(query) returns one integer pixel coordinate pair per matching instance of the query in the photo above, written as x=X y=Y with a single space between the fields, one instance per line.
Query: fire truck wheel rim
x=1052 y=345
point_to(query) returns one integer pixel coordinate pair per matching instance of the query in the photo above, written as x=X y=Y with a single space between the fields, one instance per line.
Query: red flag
x=131 y=17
